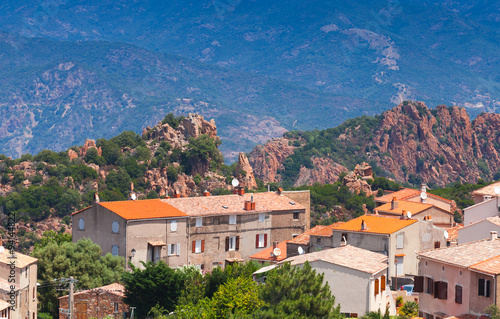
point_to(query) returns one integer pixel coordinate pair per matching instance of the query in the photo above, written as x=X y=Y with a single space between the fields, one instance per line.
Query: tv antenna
x=235 y=182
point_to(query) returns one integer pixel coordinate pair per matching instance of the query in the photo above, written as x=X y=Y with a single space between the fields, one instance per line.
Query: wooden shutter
x=257 y=241
x=194 y=246
x=480 y=289
x=237 y=243
x=376 y=287
x=437 y=244
x=202 y=245
x=443 y=290
x=265 y=240
x=436 y=289
x=382 y=283
x=419 y=284
x=227 y=243
x=488 y=288
x=458 y=294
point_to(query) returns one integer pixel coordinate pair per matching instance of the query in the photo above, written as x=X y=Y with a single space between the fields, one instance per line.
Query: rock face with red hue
x=89 y=144
x=325 y=171
x=244 y=172
x=268 y=158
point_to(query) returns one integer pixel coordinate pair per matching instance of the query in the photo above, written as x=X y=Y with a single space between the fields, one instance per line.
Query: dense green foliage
x=460 y=193
x=58 y=259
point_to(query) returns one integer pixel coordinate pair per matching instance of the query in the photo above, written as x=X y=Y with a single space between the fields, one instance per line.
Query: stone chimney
x=206 y=193
x=493 y=235
x=394 y=203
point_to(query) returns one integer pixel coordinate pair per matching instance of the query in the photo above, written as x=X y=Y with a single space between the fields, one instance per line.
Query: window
x=198 y=246
x=199 y=222
x=232 y=243
x=400 y=241
x=26 y=272
x=174 y=249
x=429 y=286
x=437 y=244
x=114 y=250
x=458 y=294
x=376 y=287
x=296 y=215
x=318 y=240
x=216 y=220
x=344 y=237
x=34 y=294
x=115 y=227
x=382 y=283
x=154 y=253
x=232 y=219
x=262 y=217
x=115 y=306
x=484 y=288
x=261 y=240
x=173 y=225
x=441 y=290
x=81 y=224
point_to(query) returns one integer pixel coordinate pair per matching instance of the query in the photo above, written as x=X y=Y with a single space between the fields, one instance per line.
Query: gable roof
x=142 y=209
x=346 y=256
x=490 y=266
x=114 y=288
x=486 y=190
x=465 y=255
x=405 y=192
x=20 y=261
x=327 y=231
x=412 y=207
x=233 y=204
x=266 y=253
x=375 y=224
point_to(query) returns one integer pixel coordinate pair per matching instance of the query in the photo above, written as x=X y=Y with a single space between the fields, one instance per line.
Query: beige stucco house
x=357 y=278
x=207 y=231
x=458 y=280
x=416 y=196
x=18 y=279
x=397 y=238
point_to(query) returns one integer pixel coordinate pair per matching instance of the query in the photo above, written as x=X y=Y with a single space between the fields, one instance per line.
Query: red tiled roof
x=266 y=253
x=490 y=266
x=303 y=239
x=114 y=288
x=327 y=231
x=412 y=207
x=20 y=261
x=233 y=204
x=399 y=195
x=143 y=209
x=453 y=232
x=487 y=190
x=376 y=224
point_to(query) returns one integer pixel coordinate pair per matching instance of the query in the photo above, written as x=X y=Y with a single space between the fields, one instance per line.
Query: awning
x=233 y=260
x=156 y=243
x=4 y=304
x=265 y=269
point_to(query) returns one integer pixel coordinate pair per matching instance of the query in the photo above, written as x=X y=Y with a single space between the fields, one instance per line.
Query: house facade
x=481 y=210
x=458 y=280
x=363 y=271
x=485 y=193
x=208 y=231
x=18 y=288
x=416 y=196
x=398 y=239
x=479 y=230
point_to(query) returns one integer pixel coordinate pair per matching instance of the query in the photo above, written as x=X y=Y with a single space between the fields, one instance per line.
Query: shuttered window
x=173 y=225
x=81 y=224
x=382 y=283
x=430 y=286
x=199 y=246
x=237 y=243
x=400 y=241
x=443 y=290
x=115 y=227
x=436 y=289
x=376 y=287
x=199 y=222
x=419 y=284
x=458 y=294
x=484 y=288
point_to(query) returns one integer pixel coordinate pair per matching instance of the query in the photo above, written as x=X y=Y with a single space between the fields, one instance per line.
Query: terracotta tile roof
x=490 y=266
x=266 y=253
x=487 y=190
x=5 y=285
x=81 y=210
x=406 y=192
x=412 y=207
x=142 y=209
x=114 y=288
x=346 y=256
x=328 y=230
x=465 y=255
x=303 y=239
x=214 y=205
x=375 y=224
x=453 y=232
x=21 y=260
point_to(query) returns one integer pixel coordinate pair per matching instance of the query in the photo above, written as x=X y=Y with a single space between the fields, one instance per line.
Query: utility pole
x=71 y=288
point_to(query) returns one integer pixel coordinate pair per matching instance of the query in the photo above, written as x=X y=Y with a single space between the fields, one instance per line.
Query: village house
x=397 y=238
x=363 y=271
x=207 y=231
x=101 y=302
x=478 y=230
x=481 y=210
x=23 y=296
x=459 y=280
x=485 y=193
x=417 y=196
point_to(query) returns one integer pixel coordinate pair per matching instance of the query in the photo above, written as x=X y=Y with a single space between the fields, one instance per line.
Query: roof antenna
x=268 y=188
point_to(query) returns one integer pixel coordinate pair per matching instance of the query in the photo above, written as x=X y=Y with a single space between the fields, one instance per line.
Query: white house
x=479 y=230
x=487 y=208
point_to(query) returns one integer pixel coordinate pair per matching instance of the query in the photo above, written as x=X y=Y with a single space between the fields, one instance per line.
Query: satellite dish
x=301 y=251
x=2 y=249
x=133 y=196
x=235 y=182
x=497 y=190
x=446 y=234
x=276 y=251
x=423 y=195
x=408 y=214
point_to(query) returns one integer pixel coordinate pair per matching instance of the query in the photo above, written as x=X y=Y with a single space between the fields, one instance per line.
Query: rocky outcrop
x=268 y=158
x=86 y=146
x=325 y=171
x=244 y=172
x=356 y=183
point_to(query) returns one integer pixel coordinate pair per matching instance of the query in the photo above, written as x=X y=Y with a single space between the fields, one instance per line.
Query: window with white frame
x=400 y=241
x=199 y=222
x=261 y=240
x=174 y=249
x=262 y=217
x=232 y=242
x=232 y=219
x=115 y=227
x=198 y=246
x=114 y=250
x=173 y=225
x=81 y=224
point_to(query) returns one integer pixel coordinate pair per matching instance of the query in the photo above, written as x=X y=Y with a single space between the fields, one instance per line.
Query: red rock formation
x=244 y=172
x=88 y=144
x=267 y=159
x=325 y=171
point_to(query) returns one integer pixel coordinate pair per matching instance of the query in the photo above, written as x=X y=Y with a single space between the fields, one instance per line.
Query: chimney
x=280 y=190
x=249 y=205
x=363 y=225
x=235 y=191
x=206 y=193
x=493 y=235
x=176 y=194
x=423 y=187
x=241 y=191
x=96 y=198
x=404 y=215
x=394 y=203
